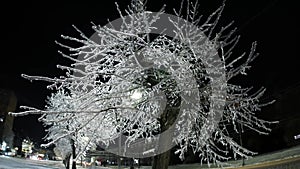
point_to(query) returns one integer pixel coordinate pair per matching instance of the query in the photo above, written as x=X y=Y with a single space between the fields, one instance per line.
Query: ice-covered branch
x=121 y=79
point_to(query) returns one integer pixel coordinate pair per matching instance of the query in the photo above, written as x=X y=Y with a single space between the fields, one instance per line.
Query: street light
x=137 y=95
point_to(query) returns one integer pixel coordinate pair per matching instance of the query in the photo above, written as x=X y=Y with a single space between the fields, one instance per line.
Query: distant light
x=297 y=137
x=4 y=144
x=136 y=161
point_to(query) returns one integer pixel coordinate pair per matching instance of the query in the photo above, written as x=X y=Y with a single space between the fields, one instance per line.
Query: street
x=12 y=163
x=7 y=162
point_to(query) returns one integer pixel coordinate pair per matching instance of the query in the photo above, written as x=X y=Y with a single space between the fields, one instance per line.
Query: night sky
x=29 y=29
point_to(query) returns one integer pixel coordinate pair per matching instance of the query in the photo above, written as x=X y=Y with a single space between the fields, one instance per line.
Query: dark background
x=29 y=29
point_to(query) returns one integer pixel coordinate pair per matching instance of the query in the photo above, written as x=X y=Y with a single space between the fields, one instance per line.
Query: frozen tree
x=63 y=149
x=63 y=128
x=142 y=87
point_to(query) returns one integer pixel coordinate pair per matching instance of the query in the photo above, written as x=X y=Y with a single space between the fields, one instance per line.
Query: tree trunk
x=167 y=118
x=66 y=162
x=169 y=115
x=73 y=154
x=161 y=161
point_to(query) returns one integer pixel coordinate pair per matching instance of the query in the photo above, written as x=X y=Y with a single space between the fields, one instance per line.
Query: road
x=19 y=163
x=13 y=163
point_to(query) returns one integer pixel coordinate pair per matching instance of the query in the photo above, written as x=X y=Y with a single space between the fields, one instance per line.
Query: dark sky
x=29 y=29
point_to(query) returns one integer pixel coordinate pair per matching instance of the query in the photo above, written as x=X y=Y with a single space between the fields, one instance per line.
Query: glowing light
x=137 y=95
